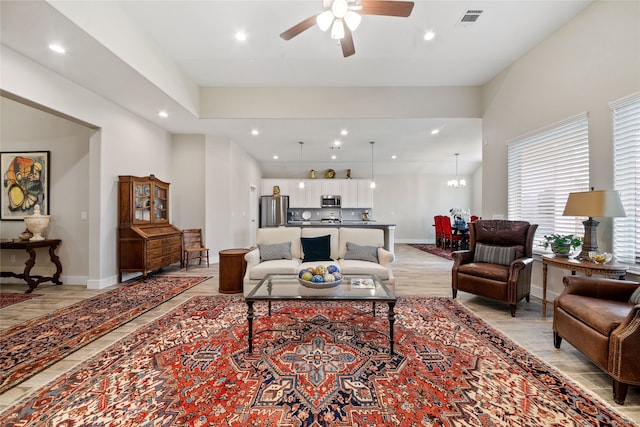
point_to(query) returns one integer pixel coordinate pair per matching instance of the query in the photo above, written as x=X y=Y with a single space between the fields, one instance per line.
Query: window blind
x=543 y=168
x=626 y=143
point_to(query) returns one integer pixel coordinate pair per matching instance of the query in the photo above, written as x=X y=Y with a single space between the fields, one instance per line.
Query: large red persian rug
x=30 y=347
x=432 y=249
x=314 y=364
x=10 y=298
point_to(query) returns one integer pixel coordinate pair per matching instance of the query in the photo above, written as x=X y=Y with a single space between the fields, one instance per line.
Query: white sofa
x=257 y=269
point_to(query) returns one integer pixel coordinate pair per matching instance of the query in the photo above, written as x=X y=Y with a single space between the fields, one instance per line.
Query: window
x=626 y=146
x=543 y=168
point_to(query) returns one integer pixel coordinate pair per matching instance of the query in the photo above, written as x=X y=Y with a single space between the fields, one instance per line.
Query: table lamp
x=592 y=203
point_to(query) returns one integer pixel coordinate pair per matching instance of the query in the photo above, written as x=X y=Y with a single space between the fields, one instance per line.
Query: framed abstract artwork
x=25 y=183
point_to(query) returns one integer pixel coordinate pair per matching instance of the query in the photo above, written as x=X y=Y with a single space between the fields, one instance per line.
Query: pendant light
x=373 y=182
x=456 y=183
x=301 y=183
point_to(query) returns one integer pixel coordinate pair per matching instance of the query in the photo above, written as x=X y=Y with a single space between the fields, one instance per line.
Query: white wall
x=24 y=128
x=591 y=61
x=124 y=145
x=211 y=190
x=411 y=202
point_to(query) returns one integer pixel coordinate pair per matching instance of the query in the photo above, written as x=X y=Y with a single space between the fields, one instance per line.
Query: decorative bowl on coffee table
x=320 y=285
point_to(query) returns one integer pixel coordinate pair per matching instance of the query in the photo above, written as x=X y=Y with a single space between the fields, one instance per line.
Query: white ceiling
x=198 y=36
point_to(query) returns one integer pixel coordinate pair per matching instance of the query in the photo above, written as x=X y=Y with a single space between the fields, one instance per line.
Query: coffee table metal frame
x=277 y=287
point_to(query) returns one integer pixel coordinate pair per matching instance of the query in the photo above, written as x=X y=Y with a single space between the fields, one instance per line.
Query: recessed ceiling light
x=394 y=156
x=255 y=132
x=336 y=143
x=241 y=36
x=275 y=157
x=344 y=132
x=163 y=114
x=57 y=48
x=435 y=131
x=333 y=157
x=429 y=35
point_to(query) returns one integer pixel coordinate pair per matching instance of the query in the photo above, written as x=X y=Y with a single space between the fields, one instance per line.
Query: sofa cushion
x=495 y=272
x=502 y=255
x=275 y=251
x=602 y=315
x=352 y=267
x=279 y=266
x=360 y=252
x=271 y=235
x=316 y=248
x=635 y=296
x=323 y=231
x=364 y=236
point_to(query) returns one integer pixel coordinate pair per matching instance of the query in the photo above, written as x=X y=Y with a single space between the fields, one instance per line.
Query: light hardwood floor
x=417 y=274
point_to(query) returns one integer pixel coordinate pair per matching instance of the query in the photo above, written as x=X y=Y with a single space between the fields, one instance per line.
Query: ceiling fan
x=343 y=16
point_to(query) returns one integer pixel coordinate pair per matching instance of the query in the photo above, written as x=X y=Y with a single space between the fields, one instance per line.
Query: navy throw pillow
x=316 y=248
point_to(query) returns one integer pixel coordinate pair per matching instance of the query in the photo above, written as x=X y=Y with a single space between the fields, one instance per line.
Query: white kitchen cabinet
x=313 y=193
x=365 y=194
x=349 y=193
x=297 y=195
x=268 y=183
x=331 y=187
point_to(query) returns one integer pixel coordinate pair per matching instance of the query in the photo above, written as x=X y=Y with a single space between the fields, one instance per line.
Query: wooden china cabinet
x=146 y=240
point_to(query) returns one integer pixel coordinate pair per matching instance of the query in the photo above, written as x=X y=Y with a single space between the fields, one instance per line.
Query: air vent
x=470 y=16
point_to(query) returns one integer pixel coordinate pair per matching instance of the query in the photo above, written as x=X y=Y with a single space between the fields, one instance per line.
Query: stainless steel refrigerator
x=273 y=211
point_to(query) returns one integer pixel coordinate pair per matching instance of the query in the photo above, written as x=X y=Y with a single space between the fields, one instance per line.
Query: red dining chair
x=437 y=222
x=447 y=233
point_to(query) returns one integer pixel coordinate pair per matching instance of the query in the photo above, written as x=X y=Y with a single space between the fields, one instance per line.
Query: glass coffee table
x=275 y=287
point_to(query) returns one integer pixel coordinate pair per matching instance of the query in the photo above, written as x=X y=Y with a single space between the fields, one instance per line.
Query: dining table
x=463 y=230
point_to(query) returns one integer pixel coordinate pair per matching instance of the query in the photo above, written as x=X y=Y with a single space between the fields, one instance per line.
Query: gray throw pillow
x=362 y=253
x=275 y=251
x=635 y=296
x=502 y=255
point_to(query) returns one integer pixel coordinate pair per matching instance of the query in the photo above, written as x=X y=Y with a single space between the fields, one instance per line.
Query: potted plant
x=561 y=244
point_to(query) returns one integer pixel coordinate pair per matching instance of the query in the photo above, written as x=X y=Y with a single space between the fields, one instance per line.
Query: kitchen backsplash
x=317 y=214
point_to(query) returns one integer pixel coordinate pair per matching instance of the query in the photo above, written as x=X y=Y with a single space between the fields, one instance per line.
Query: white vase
x=36 y=223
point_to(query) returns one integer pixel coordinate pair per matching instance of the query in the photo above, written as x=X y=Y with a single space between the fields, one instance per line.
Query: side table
x=232 y=269
x=586 y=267
x=30 y=246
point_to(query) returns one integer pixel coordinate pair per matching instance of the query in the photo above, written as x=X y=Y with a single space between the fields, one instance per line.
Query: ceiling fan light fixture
x=339 y=8
x=337 y=30
x=352 y=20
x=324 y=20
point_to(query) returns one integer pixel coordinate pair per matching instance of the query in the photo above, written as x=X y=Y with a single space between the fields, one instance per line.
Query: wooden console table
x=30 y=247
x=587 y=267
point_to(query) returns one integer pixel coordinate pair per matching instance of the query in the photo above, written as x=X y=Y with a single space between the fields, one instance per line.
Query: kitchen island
x=388 y=229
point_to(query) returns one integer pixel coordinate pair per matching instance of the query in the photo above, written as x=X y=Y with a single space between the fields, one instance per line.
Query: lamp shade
x=599 y=203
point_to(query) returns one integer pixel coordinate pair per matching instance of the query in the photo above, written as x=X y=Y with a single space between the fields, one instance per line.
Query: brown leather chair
x=498 y=262
x=595 y=316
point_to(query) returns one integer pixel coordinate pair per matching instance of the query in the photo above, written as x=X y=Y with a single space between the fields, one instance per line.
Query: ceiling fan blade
x=386 y=8
x=299 y=27
x=346 y=43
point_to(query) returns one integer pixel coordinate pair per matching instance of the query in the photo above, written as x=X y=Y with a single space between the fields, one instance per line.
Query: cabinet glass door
x=160 y=204
x=143 y=202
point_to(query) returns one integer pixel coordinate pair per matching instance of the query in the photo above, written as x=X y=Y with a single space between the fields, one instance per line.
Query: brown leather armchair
x=498 y=262
x=595 y=316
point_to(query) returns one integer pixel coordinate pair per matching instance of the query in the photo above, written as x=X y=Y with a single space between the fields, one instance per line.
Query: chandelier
x=337 y=14
x=456 y=183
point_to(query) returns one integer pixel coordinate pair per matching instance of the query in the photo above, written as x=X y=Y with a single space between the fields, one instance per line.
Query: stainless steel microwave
x=330 y=202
